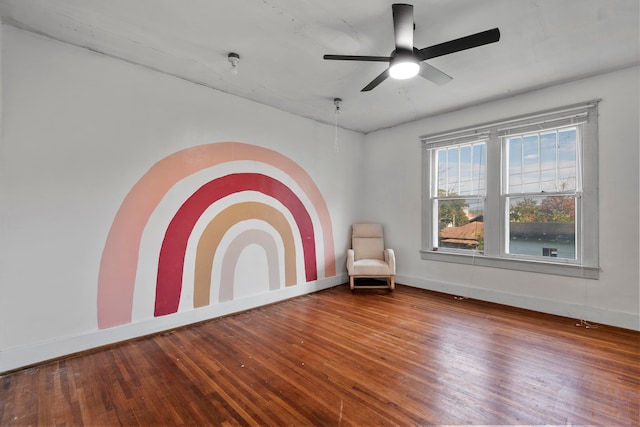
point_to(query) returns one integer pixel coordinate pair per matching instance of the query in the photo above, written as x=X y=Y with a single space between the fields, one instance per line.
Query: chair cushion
x=367 y=241
x=368 y=248
x=367 y=230
x=370 y=267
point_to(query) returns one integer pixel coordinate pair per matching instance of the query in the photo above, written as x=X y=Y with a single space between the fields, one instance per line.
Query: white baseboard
x=29 y=355
x=575 y=311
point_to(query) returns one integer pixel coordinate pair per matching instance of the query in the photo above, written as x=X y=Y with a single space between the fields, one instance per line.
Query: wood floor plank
x=336 y=357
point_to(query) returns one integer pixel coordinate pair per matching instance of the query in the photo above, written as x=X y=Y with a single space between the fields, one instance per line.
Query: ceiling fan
x=406 y=61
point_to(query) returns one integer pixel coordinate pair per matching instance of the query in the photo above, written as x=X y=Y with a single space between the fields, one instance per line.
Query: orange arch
x=215 y=231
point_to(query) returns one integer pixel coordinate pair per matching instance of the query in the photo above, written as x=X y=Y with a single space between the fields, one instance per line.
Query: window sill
x=558 y=269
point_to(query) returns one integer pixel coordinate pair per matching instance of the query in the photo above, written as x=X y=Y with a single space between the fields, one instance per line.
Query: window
x=458 y=195
x=541 y=193
x=520 y=193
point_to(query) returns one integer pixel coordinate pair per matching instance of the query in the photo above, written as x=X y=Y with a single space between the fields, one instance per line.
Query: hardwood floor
x=411 y=357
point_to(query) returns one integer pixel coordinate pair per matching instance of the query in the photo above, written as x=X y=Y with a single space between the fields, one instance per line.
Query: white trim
x=485 y=128
x=573 y=311
x=533 y=264
x=541 y=126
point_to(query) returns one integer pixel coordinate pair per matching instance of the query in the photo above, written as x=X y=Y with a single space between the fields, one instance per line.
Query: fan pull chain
x=337 y=102
x=335 y=138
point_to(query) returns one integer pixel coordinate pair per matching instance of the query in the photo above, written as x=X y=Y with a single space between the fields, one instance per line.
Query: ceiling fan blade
x=358 y=58
x=403 y=26
x=463 y=43
x=375 y=82
x=431 y=73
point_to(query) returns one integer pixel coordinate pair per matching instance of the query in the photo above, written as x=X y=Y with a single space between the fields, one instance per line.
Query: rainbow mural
x=311 y=226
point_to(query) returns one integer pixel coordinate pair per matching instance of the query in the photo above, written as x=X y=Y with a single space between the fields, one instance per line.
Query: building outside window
x=520 y=193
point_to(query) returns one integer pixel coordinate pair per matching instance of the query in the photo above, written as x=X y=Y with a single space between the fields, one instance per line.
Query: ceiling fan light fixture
x=404 y=68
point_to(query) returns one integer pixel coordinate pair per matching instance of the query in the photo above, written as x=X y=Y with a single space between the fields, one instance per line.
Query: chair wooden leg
x=392 y=282
x=351 y=285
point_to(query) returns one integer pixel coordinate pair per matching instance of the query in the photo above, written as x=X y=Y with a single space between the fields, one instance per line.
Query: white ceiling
x=281 y=43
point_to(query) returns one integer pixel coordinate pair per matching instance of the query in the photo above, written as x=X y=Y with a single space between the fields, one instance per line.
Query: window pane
x=441 y=159
x=461 y=170
x=542 y=226
x=543 y=162
x=461 y=224
x=531 y=164
x=567 y=160
x=515 y=165
x=548 y=161
x=479 y=168
x=466 y=173
x=453 y=167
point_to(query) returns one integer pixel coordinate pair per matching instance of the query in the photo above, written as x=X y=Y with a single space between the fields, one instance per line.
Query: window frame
x=584 y=116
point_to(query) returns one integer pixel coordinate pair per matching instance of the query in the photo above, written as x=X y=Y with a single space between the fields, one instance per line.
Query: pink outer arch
x=116 y=278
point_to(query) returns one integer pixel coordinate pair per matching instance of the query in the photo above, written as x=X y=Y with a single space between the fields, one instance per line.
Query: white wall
x=393 y=159
x=80 y=129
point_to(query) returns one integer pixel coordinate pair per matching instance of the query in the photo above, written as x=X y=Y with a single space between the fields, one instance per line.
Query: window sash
x=475 y=180
x=543 y=231
x=559 y=169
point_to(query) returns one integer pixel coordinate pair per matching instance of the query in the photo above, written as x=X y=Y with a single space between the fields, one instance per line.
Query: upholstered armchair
x=368 y=256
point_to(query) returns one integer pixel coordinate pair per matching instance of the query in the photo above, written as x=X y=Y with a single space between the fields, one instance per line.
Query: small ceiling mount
x=338 y=103
x=233 y=59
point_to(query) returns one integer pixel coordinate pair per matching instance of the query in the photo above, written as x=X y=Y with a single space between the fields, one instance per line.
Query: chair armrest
x=390 y=258
x=350 y=260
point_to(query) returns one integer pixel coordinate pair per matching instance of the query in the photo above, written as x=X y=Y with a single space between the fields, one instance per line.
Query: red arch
x=174 y=245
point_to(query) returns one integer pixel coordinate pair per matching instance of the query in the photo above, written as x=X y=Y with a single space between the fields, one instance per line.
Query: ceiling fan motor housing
x=404 y=64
